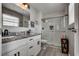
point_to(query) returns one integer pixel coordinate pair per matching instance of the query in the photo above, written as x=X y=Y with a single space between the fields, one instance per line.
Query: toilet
x=44 y=43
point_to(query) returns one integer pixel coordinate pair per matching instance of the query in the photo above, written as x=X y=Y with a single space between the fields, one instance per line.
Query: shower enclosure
x=53 y=28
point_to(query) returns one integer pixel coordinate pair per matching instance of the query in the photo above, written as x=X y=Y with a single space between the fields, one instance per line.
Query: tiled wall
x=54 y=36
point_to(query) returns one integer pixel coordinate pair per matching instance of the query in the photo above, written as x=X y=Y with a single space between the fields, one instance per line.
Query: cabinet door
x=23 y=51
x=37 y=46
x=31 y=51
x=12 y=53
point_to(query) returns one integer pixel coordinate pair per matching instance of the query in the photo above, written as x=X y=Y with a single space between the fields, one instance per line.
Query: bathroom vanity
x=27 y=46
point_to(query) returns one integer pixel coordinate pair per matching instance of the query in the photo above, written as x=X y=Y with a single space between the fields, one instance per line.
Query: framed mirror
x=16 y=16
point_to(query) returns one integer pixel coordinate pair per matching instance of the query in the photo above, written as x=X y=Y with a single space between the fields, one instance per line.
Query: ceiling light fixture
x=24 y=6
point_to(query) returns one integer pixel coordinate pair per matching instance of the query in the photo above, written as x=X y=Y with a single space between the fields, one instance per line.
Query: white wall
x=38 y=27
x=70 y=36
x=74 y=37
x=0 y=15
x=71 y=13
x=56 y=14
x=76 y=41
x=0 y=26
x=35 y=15
x=69 y=33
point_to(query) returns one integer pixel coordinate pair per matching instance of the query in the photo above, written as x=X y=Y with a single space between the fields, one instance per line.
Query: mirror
x=13 y=15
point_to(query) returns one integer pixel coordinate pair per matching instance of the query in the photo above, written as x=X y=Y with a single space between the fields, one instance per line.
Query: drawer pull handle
x=15 y=55
x=38 y=42
x=30 y=39
x=18 y=53
x=30 y=47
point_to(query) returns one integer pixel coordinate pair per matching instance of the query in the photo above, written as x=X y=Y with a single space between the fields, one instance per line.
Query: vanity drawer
x=31 y=51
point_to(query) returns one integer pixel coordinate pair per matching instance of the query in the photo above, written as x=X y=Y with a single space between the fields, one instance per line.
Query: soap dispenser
x=5 y=32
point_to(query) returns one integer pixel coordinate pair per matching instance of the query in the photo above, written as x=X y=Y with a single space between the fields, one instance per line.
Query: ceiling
x=47 y=8
x=14 y=7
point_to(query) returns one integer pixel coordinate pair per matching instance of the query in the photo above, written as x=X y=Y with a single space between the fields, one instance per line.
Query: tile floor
x=51 y=51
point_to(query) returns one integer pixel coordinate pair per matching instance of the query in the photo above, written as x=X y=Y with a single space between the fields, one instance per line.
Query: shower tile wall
x=54 y=36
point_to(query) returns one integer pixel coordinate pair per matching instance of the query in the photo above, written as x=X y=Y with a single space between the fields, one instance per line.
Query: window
x=9 y=20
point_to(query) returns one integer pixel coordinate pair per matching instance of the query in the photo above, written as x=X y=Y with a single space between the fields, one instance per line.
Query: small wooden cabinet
x=65 y=45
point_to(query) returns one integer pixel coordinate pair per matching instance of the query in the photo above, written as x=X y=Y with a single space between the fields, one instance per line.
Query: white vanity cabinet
x=12 y=53
x=30 y=46
x=14 y=45
x=34 y=45
x=14 y=48
x=38 y=46
x=22 y=51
